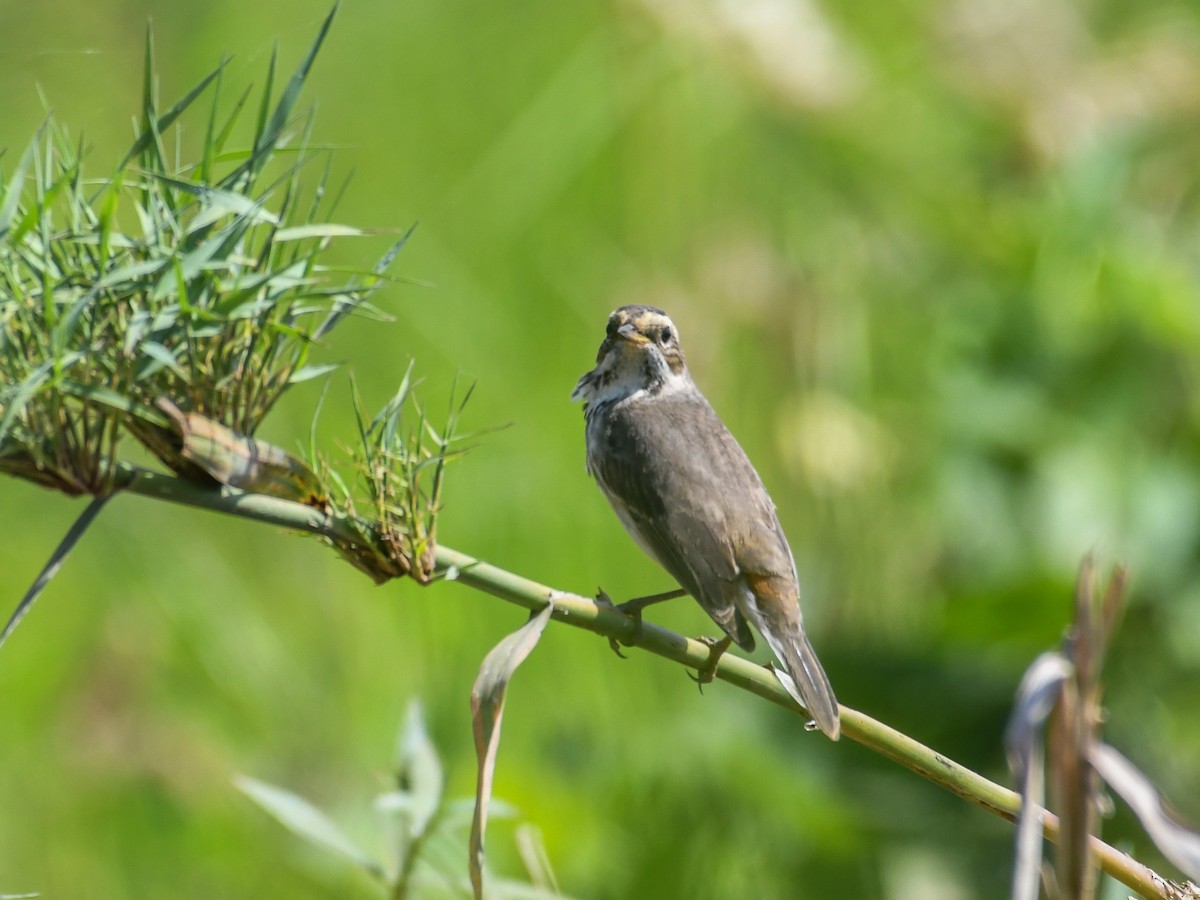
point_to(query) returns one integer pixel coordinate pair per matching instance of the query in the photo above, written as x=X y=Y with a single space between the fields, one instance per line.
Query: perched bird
x=686 y=492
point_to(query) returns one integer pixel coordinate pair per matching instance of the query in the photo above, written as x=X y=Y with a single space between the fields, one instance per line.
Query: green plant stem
x=583 y=612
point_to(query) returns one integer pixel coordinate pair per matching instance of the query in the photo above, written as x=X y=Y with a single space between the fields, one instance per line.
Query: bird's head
x=640 y=351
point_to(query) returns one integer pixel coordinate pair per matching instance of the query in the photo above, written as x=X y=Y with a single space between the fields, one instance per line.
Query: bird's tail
x=808 y=684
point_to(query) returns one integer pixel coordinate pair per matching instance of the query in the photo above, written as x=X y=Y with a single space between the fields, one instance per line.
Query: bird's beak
x=629 y=333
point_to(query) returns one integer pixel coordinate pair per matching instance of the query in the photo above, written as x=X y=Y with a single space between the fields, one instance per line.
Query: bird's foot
x=633 y=609
x=716 y=649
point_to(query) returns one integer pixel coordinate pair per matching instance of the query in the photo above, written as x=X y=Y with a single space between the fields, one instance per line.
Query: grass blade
x=149 y=136
x=342 y=307
x=12 y=196
x=55 y=562
x=287 y=101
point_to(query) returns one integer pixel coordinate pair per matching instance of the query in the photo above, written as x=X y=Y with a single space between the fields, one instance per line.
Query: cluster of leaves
x=422 y=833
x=176 y=302
x=198 y=282
x=402 y=470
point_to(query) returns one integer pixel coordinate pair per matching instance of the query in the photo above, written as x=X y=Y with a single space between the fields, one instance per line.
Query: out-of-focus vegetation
x=934 y=263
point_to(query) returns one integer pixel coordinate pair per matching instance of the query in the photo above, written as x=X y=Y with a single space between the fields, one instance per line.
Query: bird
x=685 y=491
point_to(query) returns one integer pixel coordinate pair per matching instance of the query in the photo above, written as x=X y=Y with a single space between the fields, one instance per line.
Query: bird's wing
x=759 y=545
x=675 y=519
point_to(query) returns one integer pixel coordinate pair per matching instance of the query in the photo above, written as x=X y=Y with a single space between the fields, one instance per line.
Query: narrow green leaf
x=264 y=107
x=52 y=566
x=209 y=147
x=394 y=810
x=270 y=285
x=108 y=211
x=163 y=357
x=217 y=202
x=193 y=262
x=163 y=122
x=287 y=101
x=248 y=309
x=133 y=272
x=313 y=455
x=310 y=372
x=64 y=329
x=303 y=819
x=148 y=74
x=419 y=770
x=289 y=208
x=16 y=184
x=37 y=212
x=532 y=849
x=151 y=135
x=109 y=398
x=354 y=300
x=92 y=239
x=212 y=213
x=317 y=230
x=231 y=121
x=14 y=398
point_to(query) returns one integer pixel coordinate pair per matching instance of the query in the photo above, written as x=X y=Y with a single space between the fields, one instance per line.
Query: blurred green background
x=935 y=264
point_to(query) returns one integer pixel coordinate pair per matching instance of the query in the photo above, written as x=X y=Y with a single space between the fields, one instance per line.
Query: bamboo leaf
x=113 y=400
x=353 y=301
x=161 y=356
x=532 y=849
x=217 y=202
x=487 y=711
x=305 y=820
x=12 y=194
x=133 y=272
x=148 y=137
x=419 y=770
x=204 y=173
x=52 y=566
x=47 y=195
x=273 y=128
x=317 y=230
x=231 y=121
x=65 y=328
x=192 y=263
x=307 y=373
x=13 y=399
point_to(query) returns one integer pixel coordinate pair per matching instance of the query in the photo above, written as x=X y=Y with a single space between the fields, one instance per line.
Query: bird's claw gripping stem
x=716 y=649
x=632 y=609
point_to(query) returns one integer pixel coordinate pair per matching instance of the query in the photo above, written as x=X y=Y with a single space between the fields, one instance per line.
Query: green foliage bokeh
x=935 y=264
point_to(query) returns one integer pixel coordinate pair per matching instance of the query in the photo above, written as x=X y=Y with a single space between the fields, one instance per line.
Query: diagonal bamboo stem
x=583 y=612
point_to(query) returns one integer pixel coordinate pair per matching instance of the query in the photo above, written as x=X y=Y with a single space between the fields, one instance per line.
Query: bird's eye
x=664 y=336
